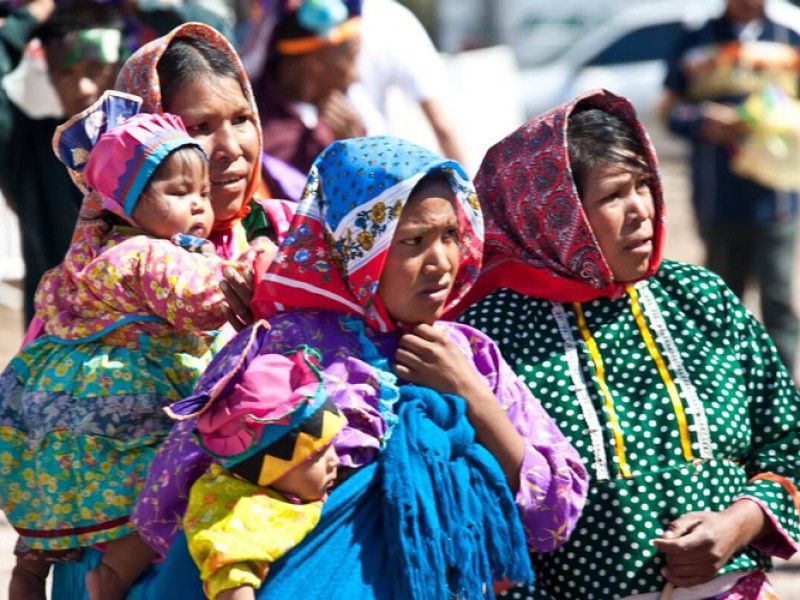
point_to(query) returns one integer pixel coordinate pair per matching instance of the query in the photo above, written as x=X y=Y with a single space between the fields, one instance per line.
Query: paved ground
x=682 y=244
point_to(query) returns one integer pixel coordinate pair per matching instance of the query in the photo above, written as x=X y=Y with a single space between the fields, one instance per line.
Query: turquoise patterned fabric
x=79 y=426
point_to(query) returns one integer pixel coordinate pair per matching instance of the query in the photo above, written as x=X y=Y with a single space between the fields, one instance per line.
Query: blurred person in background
x=396 y=51
x=301 y=85
x=748 y=228
x=83 y=44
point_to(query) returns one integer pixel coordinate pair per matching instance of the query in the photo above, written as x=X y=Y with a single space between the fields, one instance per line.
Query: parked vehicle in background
x=537 y=31
x=627 y=55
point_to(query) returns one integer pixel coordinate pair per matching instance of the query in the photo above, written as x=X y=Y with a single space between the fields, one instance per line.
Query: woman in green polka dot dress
x=670 y=390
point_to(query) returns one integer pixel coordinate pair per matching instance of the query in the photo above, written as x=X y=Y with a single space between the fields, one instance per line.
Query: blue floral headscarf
x=335 y=250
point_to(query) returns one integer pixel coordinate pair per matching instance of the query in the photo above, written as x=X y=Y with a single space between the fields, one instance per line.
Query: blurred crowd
x=319 y=75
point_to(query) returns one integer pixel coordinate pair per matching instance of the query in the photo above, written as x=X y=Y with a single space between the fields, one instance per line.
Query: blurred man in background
x=83 y=43
x=396 y=51
x=301 y=87
x=749 y=229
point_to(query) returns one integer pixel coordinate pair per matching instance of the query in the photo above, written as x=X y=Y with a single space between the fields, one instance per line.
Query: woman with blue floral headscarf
x=386 y=238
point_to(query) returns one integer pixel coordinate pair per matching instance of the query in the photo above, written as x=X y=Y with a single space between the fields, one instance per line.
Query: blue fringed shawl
x=450 y=520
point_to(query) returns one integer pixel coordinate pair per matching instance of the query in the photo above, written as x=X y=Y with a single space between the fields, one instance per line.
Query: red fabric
x=538 y=240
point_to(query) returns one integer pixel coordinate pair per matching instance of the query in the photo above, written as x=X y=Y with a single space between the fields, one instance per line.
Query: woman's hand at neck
x=428 y=356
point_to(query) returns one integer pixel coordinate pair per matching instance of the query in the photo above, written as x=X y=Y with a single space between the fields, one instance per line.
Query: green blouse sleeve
x=773 y=463
x=257 y=224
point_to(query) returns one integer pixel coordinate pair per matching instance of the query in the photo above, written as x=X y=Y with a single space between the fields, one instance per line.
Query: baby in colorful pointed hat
x=135 y=317
x=270 y=425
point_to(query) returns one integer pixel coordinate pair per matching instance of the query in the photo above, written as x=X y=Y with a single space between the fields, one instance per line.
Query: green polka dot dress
x=677 y=402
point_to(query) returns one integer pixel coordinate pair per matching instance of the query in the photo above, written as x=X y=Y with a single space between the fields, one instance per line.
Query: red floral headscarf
x=538 y=239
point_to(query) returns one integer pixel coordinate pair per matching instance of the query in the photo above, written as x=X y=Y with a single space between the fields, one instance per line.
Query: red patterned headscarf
x=538 y=239
x=333 y=255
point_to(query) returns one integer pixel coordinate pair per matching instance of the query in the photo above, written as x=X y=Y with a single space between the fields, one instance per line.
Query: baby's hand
x=261 y=250
x=240 y=593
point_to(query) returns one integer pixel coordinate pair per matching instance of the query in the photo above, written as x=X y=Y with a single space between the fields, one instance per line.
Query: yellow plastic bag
x=770 y=154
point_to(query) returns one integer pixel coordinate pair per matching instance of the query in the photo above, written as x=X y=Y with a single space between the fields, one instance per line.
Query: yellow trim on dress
x=652 y=348
x=672 y=390
x=619 y=441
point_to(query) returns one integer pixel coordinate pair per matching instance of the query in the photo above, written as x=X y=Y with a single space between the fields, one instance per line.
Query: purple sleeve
x=354 y=389
x=553 y=479
x=163 y=499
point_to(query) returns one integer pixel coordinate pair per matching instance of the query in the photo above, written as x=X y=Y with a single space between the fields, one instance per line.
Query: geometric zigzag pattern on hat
x=292 y=449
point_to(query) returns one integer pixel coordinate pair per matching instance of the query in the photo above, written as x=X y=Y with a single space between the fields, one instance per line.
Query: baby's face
x=177 y=197
x=313 y=479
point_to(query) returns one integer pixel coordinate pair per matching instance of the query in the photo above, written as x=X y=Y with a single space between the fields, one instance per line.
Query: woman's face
x=217 y=114
x=620 y=209
x=423 y=259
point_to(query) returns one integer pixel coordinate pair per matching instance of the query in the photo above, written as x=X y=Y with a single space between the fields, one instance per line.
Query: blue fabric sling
x=432 y=519
x=343 y=557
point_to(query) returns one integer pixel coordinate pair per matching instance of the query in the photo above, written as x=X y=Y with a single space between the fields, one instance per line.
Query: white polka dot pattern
x=743 y=393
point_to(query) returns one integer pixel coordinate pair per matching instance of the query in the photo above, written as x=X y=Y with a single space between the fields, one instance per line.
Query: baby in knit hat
x=270 y=426
x=130 y=321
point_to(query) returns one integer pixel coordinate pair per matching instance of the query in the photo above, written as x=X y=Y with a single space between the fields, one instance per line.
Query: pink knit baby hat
x=115 y=149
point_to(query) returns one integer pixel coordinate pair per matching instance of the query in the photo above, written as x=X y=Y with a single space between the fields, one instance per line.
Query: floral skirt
x=79 y=426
